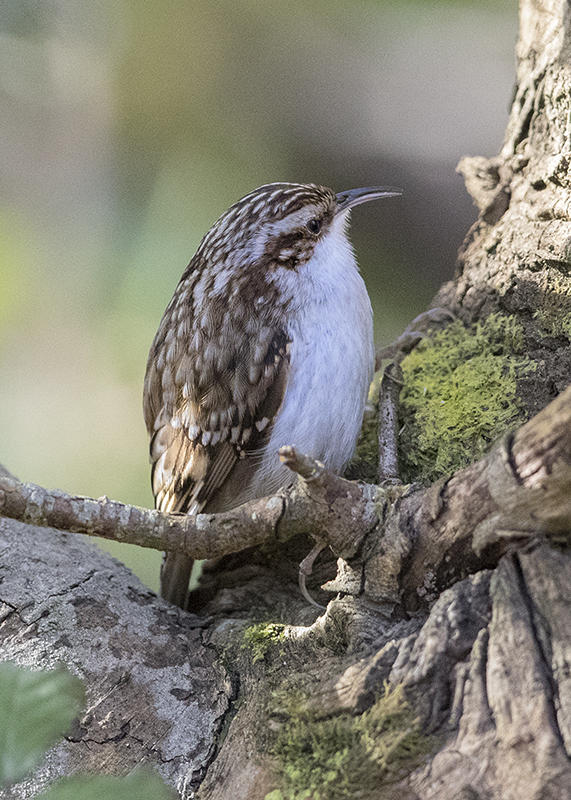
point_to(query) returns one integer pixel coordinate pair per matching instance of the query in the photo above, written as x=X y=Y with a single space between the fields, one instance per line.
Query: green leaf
x=36 y=709
x=140 y=785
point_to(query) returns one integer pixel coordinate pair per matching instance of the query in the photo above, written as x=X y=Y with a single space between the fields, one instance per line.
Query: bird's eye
x=314 y=225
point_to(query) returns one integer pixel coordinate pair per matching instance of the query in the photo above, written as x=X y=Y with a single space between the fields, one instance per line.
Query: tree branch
x=522 y=488
x=200 y=536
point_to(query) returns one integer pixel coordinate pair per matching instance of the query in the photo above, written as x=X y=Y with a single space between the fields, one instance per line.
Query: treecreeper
x=267 y=341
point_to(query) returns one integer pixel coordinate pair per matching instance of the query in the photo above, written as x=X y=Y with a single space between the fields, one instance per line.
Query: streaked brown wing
x=213 y=419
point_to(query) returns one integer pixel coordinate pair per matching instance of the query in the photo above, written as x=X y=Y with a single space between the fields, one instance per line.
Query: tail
x=175 y=575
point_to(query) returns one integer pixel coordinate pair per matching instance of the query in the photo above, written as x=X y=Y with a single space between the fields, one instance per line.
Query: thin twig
x=389 y=392
x=308 y=468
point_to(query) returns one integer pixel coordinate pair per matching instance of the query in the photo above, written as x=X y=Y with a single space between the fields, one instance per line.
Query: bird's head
x=276 y=248
x=280 y=225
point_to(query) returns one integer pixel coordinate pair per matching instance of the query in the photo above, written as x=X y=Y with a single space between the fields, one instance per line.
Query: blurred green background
x=128 y=127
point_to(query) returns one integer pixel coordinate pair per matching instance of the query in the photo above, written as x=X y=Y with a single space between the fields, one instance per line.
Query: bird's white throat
x=332 y=358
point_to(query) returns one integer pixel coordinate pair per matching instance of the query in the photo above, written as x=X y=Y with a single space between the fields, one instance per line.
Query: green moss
x=346 y=757
x=460 y=395
x=289 y=701
x=554 y=312
x=365 y=462
x=554 y=325
x=260 y=637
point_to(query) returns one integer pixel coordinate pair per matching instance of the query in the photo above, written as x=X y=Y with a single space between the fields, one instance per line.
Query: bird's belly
x=322 y=410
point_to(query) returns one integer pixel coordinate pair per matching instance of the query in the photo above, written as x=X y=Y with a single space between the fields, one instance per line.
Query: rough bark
x=458 y=593
x=148 y=674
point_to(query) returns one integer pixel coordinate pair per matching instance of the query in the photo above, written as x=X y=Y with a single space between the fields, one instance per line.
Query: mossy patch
x=347 y=757
x=554 y=312
x=260 y=637
x=460 y=395
x=365 y=462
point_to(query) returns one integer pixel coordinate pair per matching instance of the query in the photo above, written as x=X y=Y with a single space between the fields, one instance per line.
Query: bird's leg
x=312 y=472
x=306 y=568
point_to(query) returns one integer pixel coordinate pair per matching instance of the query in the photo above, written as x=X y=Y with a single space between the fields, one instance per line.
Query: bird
x=267 y=341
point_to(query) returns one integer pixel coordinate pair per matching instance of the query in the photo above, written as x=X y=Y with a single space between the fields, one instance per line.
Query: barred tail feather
x=175 y=576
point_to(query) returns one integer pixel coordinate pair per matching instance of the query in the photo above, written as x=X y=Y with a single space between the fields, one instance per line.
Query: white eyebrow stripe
x=294 y=220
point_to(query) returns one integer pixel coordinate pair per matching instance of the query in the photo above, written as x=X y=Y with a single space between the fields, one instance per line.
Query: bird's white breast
x=332 y=357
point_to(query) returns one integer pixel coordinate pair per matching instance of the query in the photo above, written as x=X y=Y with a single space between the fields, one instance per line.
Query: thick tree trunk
x=441 y=668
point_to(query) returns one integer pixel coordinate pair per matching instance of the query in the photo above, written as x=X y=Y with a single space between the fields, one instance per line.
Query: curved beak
x=354 y=197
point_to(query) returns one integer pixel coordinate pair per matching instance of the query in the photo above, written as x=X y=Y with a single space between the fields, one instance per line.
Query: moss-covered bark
x=460 y=394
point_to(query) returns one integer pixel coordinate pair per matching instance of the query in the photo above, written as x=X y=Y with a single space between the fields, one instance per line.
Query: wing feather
x=209 y=414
